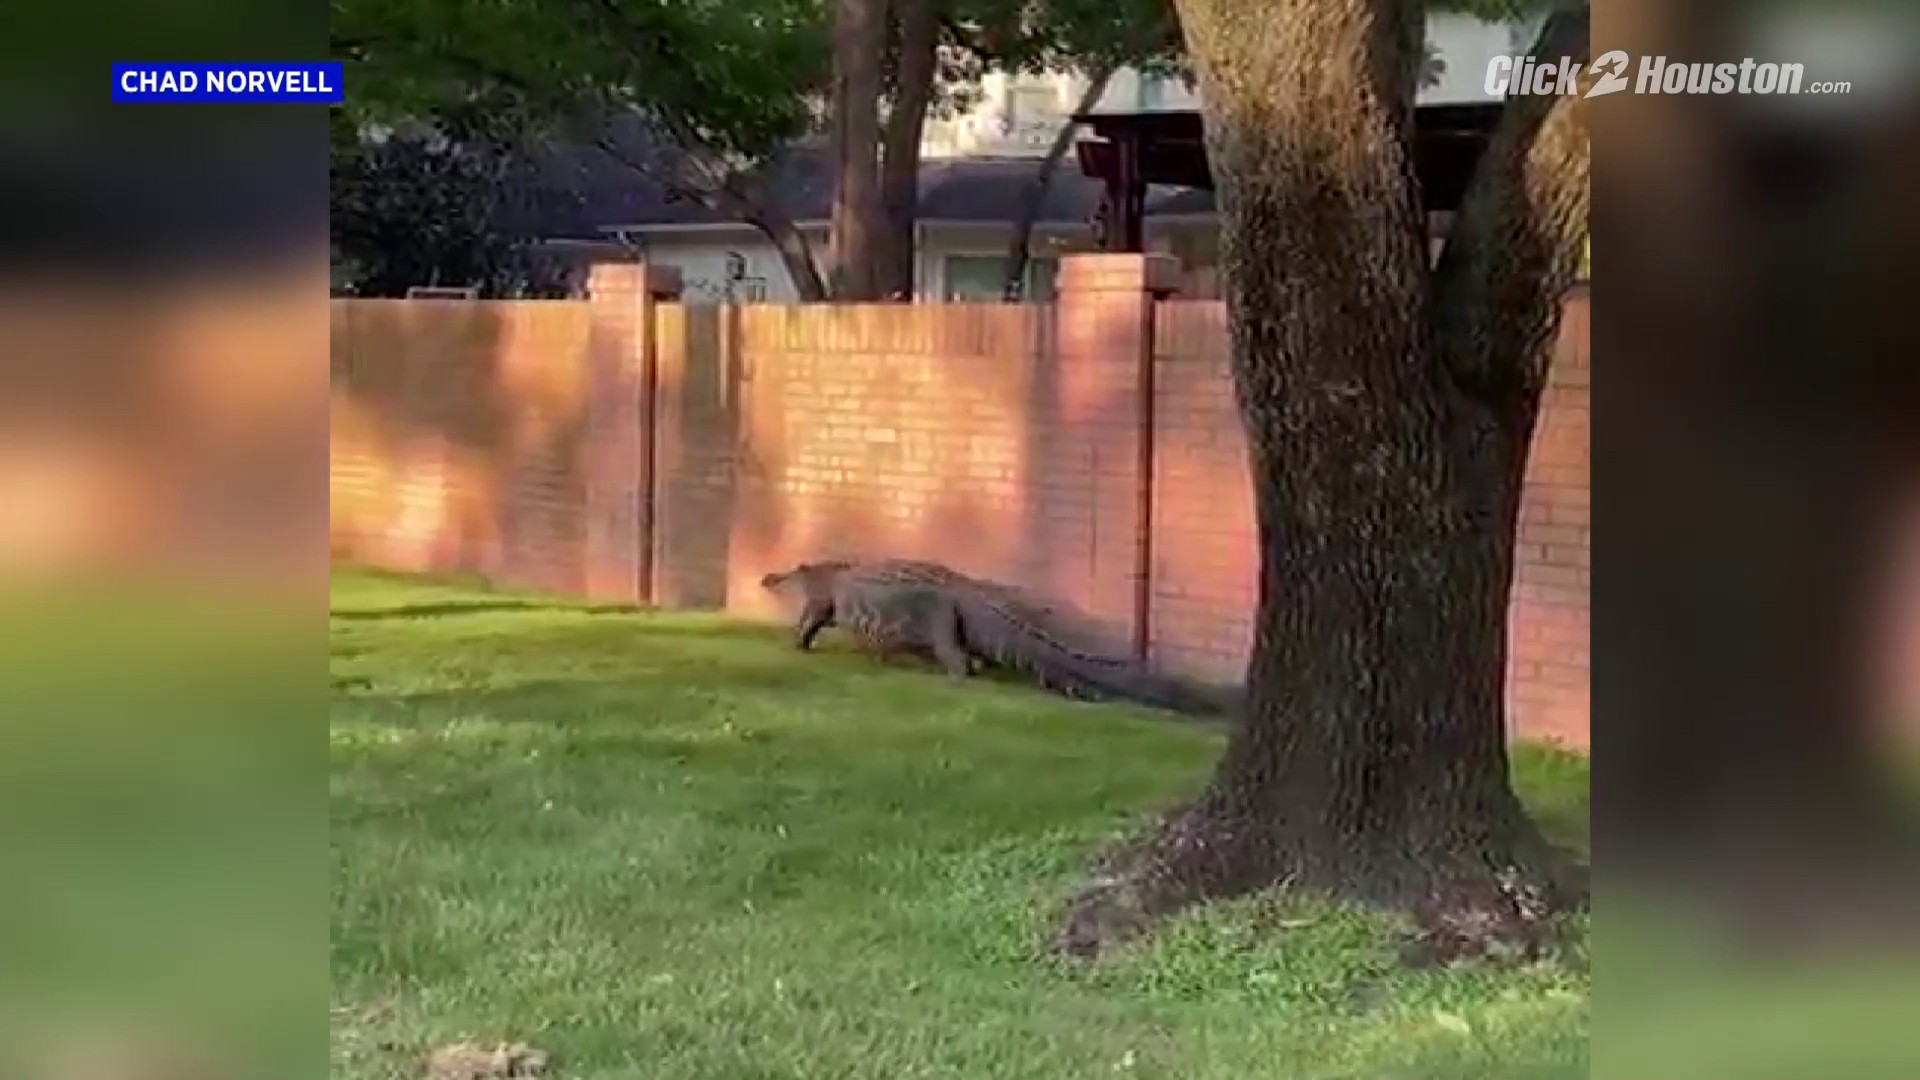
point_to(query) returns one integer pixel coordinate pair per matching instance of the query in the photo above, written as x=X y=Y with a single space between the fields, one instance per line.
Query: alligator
x=903 y=606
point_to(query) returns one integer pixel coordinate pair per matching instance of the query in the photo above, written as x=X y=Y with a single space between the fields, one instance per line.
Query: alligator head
x=803 y=573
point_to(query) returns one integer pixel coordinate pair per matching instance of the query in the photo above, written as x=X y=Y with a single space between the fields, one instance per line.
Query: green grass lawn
x=669 y=846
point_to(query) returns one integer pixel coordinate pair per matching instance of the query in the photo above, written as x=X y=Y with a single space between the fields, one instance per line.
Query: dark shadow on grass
x=831 y=671
x=718 y=630
x=427 y=611
x=644 y=622
x=686 y=686
x=474 y=607
x=555 y=701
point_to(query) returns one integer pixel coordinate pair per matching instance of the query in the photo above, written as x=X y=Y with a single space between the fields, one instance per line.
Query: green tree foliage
x=418 y=206
x=730 y=78
x=724 y=88
x=720 y=88
x=1058 y=35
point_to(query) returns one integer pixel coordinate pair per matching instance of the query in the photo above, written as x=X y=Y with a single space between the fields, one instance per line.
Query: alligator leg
x=815 y=617
x=945 y=636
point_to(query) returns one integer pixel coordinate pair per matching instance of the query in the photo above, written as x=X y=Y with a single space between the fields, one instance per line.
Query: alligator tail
x=1175 y=694
x=1060 y=667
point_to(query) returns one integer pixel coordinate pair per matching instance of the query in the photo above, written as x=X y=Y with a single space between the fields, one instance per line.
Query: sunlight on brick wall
x=1003 y=440
x=456 y=437
x=1205 y=570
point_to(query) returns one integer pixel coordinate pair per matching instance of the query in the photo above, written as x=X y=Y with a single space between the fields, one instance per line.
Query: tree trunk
x=1514 y=247
x=795 y=253
x=1412 y=54
x=1035 y=195
x=859 y=34
x=1371 y=762
x=917 y=23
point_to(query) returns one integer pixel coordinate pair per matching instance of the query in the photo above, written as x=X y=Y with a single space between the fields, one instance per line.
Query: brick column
x=696 y=443
x=1103 y=442
x=618 y=451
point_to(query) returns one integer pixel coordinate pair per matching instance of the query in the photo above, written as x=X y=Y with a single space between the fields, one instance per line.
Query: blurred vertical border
x=1755 y=614
x=163 y=353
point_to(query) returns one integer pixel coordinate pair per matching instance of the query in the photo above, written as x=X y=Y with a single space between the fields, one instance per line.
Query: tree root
x=1463 y=904
x=1506 y=919
x=1191 y=857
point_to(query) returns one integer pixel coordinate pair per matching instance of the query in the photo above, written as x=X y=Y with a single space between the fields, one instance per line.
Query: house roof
x=595 y=193
x=599 y=193
x=989 y=189
x=1447 y=142
x=586 y=193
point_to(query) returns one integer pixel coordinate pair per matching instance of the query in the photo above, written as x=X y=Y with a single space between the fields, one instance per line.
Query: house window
x=978 y=278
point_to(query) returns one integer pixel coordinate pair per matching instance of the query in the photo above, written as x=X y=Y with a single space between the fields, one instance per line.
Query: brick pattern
x=1064 y=448
x=1549 y=666
x=1205 y=570
x=456 y=437
x=617 y=446
x=902 y=430
x=696 y=449
x=1098 y=423
x=505 y=439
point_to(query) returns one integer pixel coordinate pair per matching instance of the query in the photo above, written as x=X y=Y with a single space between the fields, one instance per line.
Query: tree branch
x=728 y=200
x=707 y=196
x=648 y=49
x=1516 y=243
x=1035 y=193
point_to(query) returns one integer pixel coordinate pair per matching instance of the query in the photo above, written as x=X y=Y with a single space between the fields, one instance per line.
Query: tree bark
x=1035 y=195
x=1513 y=250
x=1371 y=762
x=1412 y=55
x=1516 y=243
x=795 y=253
x=859 y=34
x=917 y=23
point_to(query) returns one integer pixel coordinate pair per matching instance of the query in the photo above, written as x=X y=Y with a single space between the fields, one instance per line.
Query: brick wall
x=638 y=450
x=499 y=438
x=697 y=456
x=917 y=431
x=456 y=437
x=1205 y=568
x=1549 y=667
x=1204 y=555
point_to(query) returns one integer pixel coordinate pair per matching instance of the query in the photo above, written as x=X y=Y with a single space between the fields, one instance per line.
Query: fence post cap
x=1122 y=271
